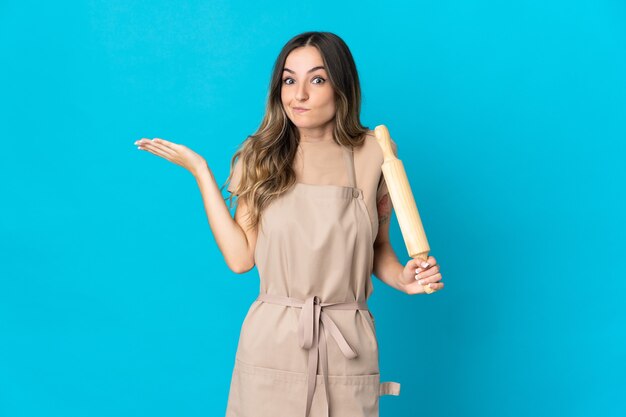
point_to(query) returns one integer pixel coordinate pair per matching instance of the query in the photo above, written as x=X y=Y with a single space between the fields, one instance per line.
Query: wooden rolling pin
x=403 y=201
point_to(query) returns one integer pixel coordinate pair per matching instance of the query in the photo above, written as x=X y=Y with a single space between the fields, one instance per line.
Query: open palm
x=173 y=152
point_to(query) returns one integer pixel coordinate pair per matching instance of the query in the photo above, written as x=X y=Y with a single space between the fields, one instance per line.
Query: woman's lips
x=300 y=110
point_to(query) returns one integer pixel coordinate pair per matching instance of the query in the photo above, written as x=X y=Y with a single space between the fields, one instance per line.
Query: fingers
x=426 y=274
x=429 y=279
x=162 y=143
x=416 y=288
x=157 y=150
x=141 y=141
x=165 y=143
x=424 y=265
x=157 y=146
x=436 y=286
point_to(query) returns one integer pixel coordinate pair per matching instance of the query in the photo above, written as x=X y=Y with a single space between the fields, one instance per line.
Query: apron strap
x=349 y=157
x=389 y=388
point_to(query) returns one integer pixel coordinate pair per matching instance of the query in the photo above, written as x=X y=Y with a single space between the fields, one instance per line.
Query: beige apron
x=308 y=344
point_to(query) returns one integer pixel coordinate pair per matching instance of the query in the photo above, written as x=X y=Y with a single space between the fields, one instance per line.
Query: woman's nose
x=301 y=94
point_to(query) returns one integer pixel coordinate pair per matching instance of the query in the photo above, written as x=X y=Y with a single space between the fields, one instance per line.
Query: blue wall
x=510 y=118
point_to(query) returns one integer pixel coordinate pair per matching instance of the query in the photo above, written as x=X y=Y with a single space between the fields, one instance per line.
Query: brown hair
x=268 y=154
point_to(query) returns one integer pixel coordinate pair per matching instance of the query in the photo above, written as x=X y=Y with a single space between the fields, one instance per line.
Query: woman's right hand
x=173 y=152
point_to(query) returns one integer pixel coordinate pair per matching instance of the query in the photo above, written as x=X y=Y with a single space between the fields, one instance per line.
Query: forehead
x=304 y=58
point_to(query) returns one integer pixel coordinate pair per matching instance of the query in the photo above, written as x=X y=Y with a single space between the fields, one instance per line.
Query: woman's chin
x=310 y=124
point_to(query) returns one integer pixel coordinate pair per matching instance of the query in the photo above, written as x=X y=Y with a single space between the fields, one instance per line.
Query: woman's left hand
x=417 y=274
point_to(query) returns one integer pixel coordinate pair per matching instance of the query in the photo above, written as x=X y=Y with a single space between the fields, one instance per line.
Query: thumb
x=414 y=263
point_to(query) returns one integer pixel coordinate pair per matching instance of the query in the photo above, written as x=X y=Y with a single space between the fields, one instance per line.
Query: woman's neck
x=317 y=134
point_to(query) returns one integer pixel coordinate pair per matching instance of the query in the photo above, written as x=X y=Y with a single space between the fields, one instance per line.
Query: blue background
x=510 y=118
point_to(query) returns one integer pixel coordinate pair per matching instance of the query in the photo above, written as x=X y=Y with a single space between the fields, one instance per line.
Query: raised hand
x=173 y=152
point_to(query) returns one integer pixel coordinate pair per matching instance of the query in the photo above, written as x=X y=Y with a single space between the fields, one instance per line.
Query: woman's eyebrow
x=311 y=70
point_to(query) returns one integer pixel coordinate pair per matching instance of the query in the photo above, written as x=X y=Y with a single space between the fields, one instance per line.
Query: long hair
x=268 y=154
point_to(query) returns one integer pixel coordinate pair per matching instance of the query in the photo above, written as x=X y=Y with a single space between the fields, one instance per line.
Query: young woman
x=313 y=216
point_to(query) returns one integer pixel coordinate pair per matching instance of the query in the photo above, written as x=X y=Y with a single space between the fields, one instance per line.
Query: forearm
x=387 y=267
x=230 y=237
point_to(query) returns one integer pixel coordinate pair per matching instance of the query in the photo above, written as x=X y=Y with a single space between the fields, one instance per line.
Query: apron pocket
x=259 y=392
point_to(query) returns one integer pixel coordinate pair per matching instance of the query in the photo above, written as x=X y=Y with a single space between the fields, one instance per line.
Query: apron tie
x=313 y=320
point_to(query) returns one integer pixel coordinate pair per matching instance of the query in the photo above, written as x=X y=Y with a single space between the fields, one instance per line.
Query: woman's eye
x=322 y=80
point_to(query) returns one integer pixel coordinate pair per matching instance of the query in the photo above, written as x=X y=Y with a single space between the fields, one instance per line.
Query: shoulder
x=372 y=149
x=370 y=142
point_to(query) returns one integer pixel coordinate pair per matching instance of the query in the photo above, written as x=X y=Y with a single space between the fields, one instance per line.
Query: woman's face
x=305 y=84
